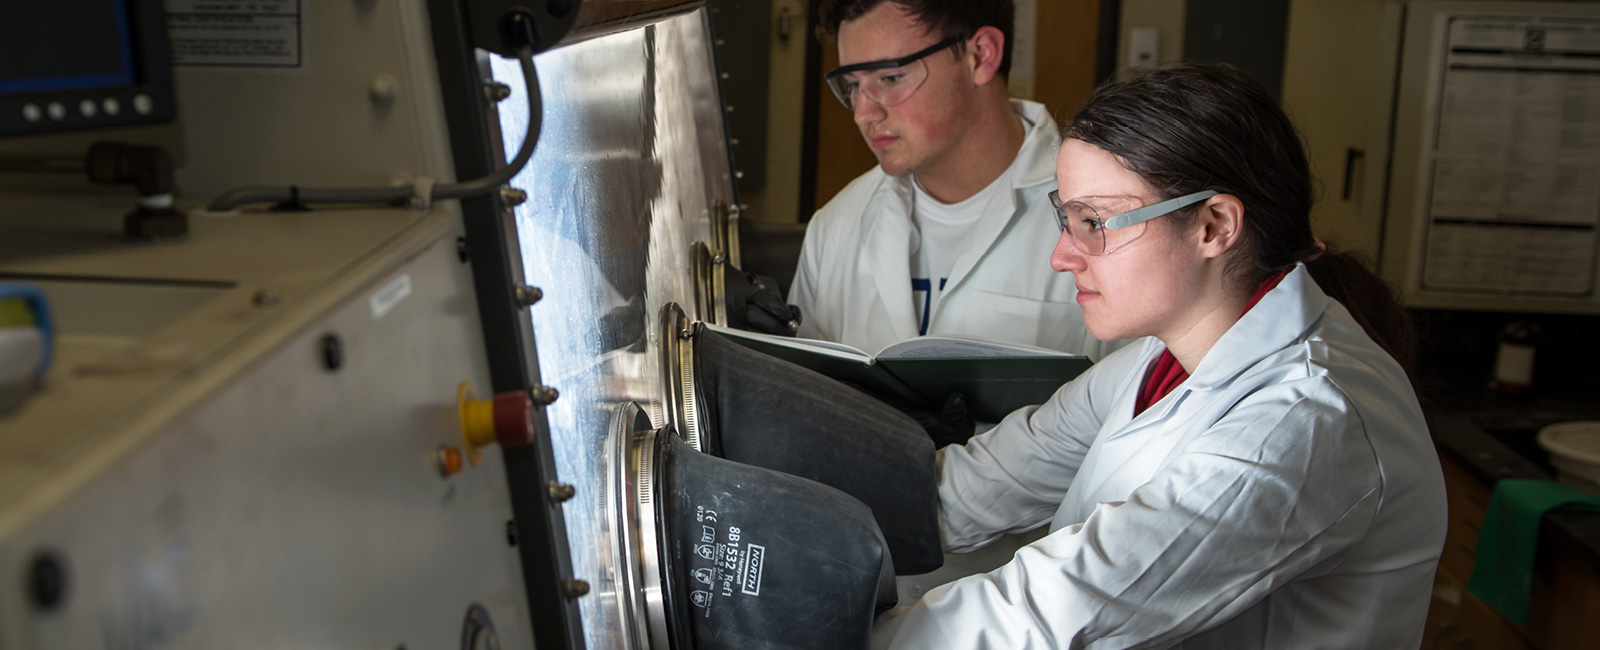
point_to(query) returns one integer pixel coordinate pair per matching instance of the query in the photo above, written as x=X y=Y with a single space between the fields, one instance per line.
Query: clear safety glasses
x=1102 y=224
x=887 y=82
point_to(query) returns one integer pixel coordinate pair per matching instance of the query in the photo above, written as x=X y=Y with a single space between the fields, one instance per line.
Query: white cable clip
x=422 y=193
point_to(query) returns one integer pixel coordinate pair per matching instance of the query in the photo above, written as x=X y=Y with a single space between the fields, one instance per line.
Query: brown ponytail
x=1345 y=277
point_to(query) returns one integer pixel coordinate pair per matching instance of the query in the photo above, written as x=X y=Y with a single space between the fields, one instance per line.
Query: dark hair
x=947 y=18
x=1190 y=127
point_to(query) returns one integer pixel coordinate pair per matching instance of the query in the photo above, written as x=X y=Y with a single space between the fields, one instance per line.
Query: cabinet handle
x=1351 y=155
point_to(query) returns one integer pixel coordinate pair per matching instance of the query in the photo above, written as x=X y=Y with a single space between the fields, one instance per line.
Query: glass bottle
x=1514 y=358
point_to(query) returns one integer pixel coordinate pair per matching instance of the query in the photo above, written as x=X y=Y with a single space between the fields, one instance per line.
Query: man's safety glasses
x=888 y=82
x=1102 y=224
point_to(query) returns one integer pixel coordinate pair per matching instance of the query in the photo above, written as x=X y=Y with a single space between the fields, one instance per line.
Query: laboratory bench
x=1483 y=437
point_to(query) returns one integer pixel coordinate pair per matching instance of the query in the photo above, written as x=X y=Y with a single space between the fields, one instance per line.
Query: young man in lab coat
x=951 y=232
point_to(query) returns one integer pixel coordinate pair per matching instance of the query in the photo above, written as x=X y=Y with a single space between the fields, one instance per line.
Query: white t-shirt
x=941 y=230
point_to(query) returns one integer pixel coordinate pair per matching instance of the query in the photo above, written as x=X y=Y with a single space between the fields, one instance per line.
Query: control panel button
x=57 y=111
x=507 y=419
x=32 y=112
x=87 y=108
x=111 y=106
x=142 y=104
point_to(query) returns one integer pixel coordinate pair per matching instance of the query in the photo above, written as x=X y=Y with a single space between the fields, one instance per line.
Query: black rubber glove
x=950 y=424
x=754 y=304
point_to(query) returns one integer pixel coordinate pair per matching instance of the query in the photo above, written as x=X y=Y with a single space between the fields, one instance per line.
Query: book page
x=955 y=347
x=829 y=348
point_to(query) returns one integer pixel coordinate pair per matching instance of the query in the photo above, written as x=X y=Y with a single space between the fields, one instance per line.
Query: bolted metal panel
x=276 y=493
x=631 y=163
x=507 y=331
x=743 y=42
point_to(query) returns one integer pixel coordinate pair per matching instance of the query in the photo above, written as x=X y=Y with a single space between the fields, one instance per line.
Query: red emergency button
x=506 y=419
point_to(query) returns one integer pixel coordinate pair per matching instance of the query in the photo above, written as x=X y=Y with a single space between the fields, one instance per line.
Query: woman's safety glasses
x=1102 y=224
x=887 y=82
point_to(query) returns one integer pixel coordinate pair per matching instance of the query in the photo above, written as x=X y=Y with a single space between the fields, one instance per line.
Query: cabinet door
x=1331 y=80
x=1565 y=610
x=1485 y=629
x=1468 y=500
x=1444 y=613
x=1459 y=621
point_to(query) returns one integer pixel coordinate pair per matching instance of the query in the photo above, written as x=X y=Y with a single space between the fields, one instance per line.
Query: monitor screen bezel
x=148 y=98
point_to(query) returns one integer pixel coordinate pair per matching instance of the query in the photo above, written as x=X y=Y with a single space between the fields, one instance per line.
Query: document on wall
x=240 y=34
x=997 y=378
x=1514 y=200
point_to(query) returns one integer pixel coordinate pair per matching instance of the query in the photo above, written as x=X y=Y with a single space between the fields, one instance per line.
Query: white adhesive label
x=235 y=33
x=725 y=564
x=390 y=295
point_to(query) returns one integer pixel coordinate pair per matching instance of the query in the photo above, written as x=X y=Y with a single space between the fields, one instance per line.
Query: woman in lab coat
x=1262 y=480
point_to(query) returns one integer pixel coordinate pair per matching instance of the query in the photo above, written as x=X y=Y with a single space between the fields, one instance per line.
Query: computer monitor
x=82 y=64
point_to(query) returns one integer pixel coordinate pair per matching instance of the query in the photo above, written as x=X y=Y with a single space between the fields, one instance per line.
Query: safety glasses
x=887 y=82
x=1102 y=224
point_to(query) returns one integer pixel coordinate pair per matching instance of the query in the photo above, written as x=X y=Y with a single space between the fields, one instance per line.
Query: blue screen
x=54 y=45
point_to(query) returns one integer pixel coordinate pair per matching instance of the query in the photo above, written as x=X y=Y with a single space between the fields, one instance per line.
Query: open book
x=997 y=378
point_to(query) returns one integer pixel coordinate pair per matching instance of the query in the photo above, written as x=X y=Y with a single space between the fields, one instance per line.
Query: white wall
x=1166 y=16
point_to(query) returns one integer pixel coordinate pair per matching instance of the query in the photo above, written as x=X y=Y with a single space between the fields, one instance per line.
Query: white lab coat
x=853 y=281
x=1286 y=495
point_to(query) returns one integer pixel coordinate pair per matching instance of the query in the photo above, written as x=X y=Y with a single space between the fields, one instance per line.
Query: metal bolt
x=527 y=296
x=383 y=90
x=574 y=588
x=543 y=395
x=496 y=91
x=561 y=492
x=512 y=196
x=264 y=298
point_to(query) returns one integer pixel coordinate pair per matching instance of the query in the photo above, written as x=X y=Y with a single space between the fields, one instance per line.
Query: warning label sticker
x=234 y=33
x=728 y=565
